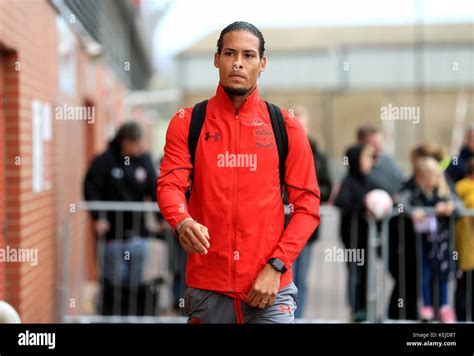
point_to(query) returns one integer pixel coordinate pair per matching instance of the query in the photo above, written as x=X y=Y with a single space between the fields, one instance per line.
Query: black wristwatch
x=277 y=265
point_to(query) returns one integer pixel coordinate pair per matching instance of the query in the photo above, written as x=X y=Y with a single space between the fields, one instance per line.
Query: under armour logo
x=208 y=135
x=285 y=308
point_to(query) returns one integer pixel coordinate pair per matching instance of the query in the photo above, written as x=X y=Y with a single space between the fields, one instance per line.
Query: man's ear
x=216 y=60
x=263 y=64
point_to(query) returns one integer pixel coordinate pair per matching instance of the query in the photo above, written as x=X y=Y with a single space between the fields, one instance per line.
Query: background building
x=345 y=75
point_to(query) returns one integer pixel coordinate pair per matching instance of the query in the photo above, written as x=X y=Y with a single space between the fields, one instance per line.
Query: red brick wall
x=28 y=29
x=36 y=220
x=76 y=143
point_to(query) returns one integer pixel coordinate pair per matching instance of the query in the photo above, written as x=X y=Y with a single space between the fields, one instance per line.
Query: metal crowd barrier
x=82 y=298
x=378 y=303
x=328 y=291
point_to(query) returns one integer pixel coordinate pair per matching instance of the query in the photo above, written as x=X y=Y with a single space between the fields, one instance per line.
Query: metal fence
x=399 y=245
x=134 y=275
x=157 y=300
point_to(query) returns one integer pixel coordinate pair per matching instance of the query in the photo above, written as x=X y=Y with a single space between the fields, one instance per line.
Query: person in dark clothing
x=402 y=263
x=457 y=168
x=433 y=234
x=123 y=173
x=324 y=176
x=302 y=263
x=353 y=225
x=385 y=172
x=402 y=246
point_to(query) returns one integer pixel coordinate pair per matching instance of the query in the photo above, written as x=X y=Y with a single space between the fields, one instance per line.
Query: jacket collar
x=224 y=101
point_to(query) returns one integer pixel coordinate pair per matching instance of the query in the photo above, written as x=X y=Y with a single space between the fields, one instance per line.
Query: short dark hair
x=242 y=26
x=130 y=131
x=365 y=131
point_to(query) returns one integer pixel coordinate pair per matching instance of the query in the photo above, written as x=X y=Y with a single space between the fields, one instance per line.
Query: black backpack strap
x=281 y=138
x=195 y=127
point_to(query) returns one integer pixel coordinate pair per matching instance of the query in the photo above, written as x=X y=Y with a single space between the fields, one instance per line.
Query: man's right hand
x=194 y=237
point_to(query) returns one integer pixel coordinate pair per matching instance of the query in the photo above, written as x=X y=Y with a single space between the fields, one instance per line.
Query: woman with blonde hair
x=402 y=237
x=430 y=190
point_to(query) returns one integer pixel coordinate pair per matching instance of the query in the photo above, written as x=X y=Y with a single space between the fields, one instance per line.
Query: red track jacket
x=236 y=192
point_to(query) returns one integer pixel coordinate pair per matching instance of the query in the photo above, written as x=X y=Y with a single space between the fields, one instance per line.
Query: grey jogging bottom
x=204 y=306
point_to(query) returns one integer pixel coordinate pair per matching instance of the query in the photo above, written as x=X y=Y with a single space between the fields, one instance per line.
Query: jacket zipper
x=234 y=203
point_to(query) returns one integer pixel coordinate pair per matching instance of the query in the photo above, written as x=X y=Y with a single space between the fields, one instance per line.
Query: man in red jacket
x=239 y=253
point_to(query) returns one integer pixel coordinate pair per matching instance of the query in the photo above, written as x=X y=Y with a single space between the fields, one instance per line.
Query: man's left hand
x=265 y=288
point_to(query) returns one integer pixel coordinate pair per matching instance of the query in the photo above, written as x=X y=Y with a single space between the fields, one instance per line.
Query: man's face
x=239 y=62
x=375 y=140
x=366 y=160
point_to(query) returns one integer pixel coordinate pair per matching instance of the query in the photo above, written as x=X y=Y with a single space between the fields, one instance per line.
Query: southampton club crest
x=263 y=136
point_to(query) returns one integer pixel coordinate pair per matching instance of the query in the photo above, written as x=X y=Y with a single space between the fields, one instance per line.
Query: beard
x=236 y=91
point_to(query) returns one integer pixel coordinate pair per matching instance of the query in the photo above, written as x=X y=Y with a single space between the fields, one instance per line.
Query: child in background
x=431 y=190
x=465 y=246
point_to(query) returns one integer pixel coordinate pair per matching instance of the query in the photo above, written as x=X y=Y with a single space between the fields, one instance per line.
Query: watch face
x=278 y=265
